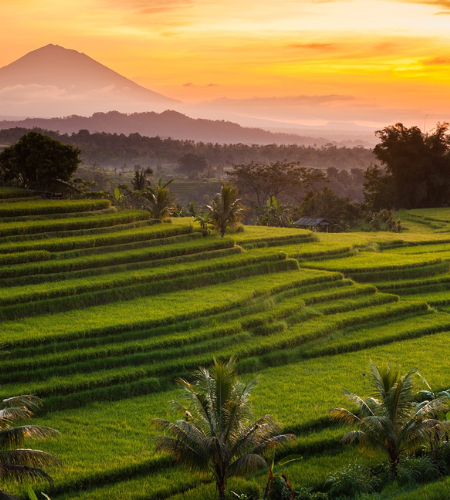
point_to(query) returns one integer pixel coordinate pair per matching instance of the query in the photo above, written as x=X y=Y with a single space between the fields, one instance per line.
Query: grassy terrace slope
x=101 y=312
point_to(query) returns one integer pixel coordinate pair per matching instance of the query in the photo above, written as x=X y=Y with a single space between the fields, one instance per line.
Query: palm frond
x=21 y=473
x=32 y=458
x=29 y=401
x=15 y=436
x=246 y=464
x=7 y=496
x=345 y=416
x=366 y=407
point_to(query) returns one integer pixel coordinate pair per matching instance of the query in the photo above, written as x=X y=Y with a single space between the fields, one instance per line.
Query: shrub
x=352 y=480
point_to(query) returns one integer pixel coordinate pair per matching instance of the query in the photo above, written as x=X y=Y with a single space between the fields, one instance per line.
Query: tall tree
x=192 y=165
x=225 y=209
x=378 y=189
x=217 y=433
x=419 y=163
x=37 y=160
x=259 y=182
x=390 y=419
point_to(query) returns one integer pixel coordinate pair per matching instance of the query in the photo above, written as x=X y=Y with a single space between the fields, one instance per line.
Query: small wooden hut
x=314 y=223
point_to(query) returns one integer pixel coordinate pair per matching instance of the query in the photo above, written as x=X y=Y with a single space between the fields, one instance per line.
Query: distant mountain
x=167 y=124
x=54 y=81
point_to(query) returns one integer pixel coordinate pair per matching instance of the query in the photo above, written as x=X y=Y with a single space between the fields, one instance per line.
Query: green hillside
x=102 y=310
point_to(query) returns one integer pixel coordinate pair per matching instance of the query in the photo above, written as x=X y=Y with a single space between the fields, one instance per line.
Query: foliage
x=109 y=149
x=16 y=463
x=351 y=480
x=384 y=220
x=161 y=199
x=216 y=434
x=325 y=203
x=378 y=189
x=260 y=182
x=274 y=214
x=418 y=470
x=278 y=488
x=192 y=165
x=37 y=160
x=304 y=493
x=419 y=164
x=203 y=219
x=225 y=209
x=140 y=179
x=390 y=420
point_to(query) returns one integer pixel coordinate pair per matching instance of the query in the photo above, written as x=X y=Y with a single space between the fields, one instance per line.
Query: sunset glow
x=366 y=61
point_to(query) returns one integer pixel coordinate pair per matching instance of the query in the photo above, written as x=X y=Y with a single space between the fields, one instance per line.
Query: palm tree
x=217 y=433
x=17 y=463
x=161 y=199
x=225 y=208
x=391 y=420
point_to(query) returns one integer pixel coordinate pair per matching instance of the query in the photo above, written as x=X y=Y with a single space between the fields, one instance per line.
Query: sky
x=371 y=62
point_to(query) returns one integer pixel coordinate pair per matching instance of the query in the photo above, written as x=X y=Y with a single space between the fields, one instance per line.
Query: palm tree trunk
x=221 y=487
x=393 y=465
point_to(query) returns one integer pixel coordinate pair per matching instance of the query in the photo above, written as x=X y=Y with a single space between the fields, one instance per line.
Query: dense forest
x=101 y=149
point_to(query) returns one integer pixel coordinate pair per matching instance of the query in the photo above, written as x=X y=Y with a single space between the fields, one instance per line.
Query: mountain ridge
x=169 y=123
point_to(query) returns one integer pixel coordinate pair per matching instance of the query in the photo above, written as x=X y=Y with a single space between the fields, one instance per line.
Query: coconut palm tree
x=391 y=420
x=161 y=199
x=17 y=463
x=225 y=209
x=217 y=433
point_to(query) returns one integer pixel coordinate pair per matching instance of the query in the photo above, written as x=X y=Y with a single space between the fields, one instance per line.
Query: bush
x=417 y=470
x=307 y=494
x=352 y=480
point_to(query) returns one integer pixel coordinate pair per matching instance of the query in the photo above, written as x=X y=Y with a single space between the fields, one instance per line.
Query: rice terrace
x=102 y=310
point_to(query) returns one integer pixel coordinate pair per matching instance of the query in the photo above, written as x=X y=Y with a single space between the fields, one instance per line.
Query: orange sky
x=364 y=61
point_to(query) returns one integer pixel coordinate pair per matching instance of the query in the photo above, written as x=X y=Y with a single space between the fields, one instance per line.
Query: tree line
x=116 y=150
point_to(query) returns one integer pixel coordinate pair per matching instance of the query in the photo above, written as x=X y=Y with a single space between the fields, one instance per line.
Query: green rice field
x=101 y=310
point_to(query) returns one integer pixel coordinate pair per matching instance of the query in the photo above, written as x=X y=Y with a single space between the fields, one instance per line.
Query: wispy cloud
x=299 y=100
x=439 y=4
x=436 y=61
x=190 y=84
x=314 y=46
x=150 y=6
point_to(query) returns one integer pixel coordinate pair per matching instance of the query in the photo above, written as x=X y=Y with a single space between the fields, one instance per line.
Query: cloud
x=190 y=84
x=150 y=7
x=27 y=93
x=441 y=4
x=302 y=108
x=285 y=101
x=314 y=46
x=436 y=61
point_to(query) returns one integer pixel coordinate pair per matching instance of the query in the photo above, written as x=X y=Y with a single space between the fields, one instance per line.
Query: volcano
x=54 y=81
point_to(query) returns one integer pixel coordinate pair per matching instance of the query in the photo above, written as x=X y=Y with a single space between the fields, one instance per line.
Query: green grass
x=163 y=249
x=7 y=192
x=105 y=370
x=56 y=244
x=366 y=262
x=21 y=294
x=165 y=309
x=314 y=385
x=51 y=206
x=75 y=223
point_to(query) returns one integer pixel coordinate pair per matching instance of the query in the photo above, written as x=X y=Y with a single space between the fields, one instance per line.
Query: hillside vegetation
x=101 y=310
